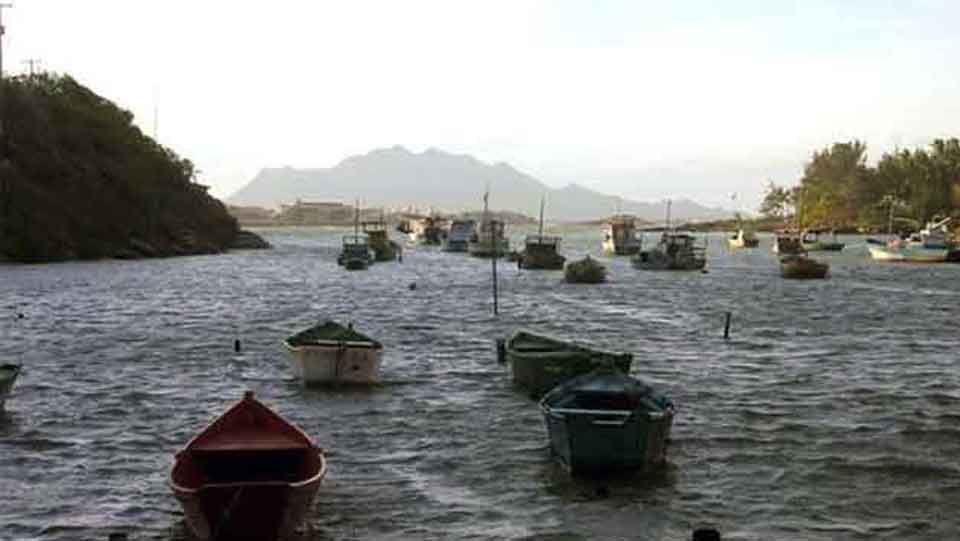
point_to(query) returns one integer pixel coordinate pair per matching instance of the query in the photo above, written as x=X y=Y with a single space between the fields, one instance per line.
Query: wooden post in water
x=496 y=252
x=726 y=326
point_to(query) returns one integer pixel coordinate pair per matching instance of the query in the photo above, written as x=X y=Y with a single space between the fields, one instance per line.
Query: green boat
x=383 y=248
x=539 y=363
x=585 y=271
x=606 y=420
x=8 y=376
x=816 y=240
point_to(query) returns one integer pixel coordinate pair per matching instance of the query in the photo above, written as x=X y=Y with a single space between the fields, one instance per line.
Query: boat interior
x=255 y=460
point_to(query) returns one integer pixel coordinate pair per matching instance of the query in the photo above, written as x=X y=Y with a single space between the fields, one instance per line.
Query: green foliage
x=839 y=190
x=84 y=182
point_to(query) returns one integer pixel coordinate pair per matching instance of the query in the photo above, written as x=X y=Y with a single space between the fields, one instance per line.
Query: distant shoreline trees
x=838 y=190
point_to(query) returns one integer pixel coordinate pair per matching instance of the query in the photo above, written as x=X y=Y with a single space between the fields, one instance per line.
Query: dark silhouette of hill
x=79 y=181
x=448 y=182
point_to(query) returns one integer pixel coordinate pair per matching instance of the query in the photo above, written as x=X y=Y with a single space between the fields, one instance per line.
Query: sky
x=643 y=99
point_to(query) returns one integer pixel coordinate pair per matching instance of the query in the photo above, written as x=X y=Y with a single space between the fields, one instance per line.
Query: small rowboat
x=802 y=267
x=539 y=363
x=606 y=420
x=331 y=353
x=8 y=376
x=249 y=475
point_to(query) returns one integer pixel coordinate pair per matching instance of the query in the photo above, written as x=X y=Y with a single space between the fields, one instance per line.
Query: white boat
x=332 y=353
x=908 y=252
x=743 y=239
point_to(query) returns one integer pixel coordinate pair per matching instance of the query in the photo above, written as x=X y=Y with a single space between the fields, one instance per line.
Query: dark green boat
x=606 y=420
x=539 y=363
x=8 y=375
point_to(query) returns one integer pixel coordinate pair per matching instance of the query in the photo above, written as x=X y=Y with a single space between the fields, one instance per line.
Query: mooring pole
x=726 y=326
x=496 y=251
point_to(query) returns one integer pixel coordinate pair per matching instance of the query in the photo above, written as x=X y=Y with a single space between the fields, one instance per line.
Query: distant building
x=251 y=216
x=315 y=213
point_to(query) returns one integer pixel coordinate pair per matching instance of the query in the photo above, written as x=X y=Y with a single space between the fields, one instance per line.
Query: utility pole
x=32 y=65
x=3 y=147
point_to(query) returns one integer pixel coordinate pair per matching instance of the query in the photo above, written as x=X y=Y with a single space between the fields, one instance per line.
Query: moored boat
x=816 y=240
x=540 y=252
x=459 y=235
x=743 y=238
x=620 y=235
x=800 y=266
x=538 y=363
x=249 y=475
x=429 y=230
x=606 y=420
x=585 y=271
x=8 y=376
x=355 y=253
x=382 y=247
x=786 y=242
x=331 y=353
x=674 y=251
x=489 y=239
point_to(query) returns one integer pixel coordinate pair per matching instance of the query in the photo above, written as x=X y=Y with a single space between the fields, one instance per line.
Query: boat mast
x=356 y=220
x=669 y=203
x=540 y=230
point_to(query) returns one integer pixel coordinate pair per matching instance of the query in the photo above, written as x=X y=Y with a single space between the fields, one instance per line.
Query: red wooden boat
x=249 y=475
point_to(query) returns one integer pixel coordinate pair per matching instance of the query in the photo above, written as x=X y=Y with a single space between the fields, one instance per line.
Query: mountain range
x=397 y=178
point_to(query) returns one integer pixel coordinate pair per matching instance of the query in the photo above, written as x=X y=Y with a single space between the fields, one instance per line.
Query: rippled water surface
x=833 y=412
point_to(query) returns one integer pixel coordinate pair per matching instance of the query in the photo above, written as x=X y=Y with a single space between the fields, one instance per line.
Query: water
x=832 y=413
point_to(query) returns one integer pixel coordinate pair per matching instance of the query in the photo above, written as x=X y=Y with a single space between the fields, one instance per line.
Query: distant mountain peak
x=395 y=177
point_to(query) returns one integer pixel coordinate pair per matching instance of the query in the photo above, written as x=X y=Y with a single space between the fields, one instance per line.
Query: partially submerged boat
x=249 y=475
x=331 y=353
x=585 y=271
x=674 y=251
x=8 y=376
x=800 y=266
x=539 y=363
x=459 y=235
x=541 y=252
x=606 y=420
x=620 y=235
x=819 y=240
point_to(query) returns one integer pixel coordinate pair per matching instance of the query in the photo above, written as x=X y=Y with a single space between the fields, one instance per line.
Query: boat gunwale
x=332 y=343
x=186 y=491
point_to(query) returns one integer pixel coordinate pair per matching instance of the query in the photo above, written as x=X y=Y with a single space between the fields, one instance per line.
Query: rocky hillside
x=78 y=180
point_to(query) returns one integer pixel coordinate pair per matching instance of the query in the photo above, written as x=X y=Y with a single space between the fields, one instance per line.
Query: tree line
x=839 y=190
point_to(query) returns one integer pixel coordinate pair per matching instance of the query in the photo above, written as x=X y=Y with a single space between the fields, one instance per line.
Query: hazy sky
x=642 y=99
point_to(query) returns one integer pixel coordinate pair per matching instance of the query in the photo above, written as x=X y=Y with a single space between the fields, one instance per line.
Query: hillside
x=82 y=182
x=395 y=177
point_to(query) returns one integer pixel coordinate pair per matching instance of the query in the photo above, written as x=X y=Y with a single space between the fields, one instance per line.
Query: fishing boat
x=743 y=238
x=929 y=245
x=585 y=271
x=379 y=241
x=800 y=266
x=489 y=239
x=331 y=353
x=818 y=240
x=458 y=236
x=429 y=230
x=8 y=376
x=606 y=420
x=355 y=253
x=541 y=251
x=249 y=475
x=539 y=363
x=674 y=251
x=786 y=242
x=620 y=235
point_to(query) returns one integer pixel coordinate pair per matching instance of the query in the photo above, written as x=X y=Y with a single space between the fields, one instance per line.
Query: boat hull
x=540 y=369
x=335 y=363
x=908 y=255
x=455 y=245
x=247 y=511
x=656 y=260
x=803 y=268
x=823 y=246
x=8 y=376
x=611 y=247
x=586 y=440
x=489 y=249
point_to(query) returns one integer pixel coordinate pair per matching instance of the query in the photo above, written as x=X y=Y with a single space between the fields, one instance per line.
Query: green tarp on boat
x=539 y=363
x=330 y=331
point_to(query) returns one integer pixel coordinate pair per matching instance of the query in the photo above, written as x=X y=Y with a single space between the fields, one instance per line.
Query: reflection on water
x=831 y=413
